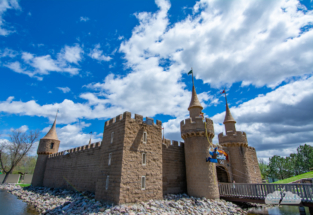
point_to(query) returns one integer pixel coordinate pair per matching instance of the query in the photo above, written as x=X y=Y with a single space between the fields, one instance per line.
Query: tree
x=263 y=168
x=279 y=167
x=26 y=166
x=304 y=158
x=13 y=151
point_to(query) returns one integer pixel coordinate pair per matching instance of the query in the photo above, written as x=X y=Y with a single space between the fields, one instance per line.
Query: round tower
x=49 y=144
x=201 y=175
x=243 y=158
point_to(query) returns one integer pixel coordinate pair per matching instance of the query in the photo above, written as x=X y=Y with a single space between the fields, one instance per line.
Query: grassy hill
x=295 y=178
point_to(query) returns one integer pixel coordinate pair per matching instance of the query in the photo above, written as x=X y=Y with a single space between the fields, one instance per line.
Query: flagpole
x=225 y=96
x=192 y=77
x=56 y=114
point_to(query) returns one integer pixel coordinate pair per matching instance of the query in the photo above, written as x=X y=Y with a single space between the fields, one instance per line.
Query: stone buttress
x=201 y=175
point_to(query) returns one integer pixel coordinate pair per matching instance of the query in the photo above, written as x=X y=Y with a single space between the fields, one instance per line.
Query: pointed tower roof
x=52 y=134
x=228 y=116
x=194 y=100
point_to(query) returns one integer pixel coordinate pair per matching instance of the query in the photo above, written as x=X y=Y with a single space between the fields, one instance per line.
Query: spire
x=194 y=100
x=228 y=116
x=52 y=134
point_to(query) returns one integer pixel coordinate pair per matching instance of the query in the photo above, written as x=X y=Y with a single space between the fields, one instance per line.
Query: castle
x=133 y=163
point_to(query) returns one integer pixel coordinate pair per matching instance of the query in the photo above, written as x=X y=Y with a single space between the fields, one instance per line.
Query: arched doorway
x=221 y=174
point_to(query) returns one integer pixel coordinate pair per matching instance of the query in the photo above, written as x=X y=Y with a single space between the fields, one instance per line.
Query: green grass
x=24 y=185
x=294 y=178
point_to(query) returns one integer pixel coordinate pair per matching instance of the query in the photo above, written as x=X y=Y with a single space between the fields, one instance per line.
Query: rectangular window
x=143 y=158
x=112 y=135
x=144 y=137
x=107 y=182
x=110 y=156
x=143 y=182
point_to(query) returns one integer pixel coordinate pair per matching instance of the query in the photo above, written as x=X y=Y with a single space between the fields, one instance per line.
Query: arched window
x=51 y=145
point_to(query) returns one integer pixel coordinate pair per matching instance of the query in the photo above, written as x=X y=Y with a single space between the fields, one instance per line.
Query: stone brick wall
x=133 y=169
x=253 y=166
x=174 y=168
x=77 y=170
x=114 y=170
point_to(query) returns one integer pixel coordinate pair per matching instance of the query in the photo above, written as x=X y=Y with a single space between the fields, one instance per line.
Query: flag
x=224 y=153
x=90 y=132
x=190 y=72
x=223 y=92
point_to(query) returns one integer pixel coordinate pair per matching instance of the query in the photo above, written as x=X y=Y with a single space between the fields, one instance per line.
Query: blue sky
x=93 y=60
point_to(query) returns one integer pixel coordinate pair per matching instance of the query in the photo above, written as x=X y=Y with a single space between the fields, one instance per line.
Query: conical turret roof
x=194 y=100
x=52 y=134
x=228 y=116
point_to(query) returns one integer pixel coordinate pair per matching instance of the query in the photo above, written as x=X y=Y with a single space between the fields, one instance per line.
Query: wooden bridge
x=257 y=192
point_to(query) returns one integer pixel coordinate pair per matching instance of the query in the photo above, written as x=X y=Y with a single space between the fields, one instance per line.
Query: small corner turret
x=48 y=145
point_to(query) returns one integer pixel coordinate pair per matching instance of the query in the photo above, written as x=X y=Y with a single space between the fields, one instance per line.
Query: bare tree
x=13 y=151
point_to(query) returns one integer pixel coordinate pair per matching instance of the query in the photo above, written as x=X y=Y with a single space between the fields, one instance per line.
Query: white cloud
x=4 y=6
x=8 y=53
x=23 y=128
x=227 y=42
x=64 y=89
x=71 y=54
x=96 y=53
x=84 y=19
x=37 y=66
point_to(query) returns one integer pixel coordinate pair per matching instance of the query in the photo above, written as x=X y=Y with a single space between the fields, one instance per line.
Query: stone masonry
x=133 y=163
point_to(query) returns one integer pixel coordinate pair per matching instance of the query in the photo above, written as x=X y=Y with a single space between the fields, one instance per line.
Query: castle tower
x=201 y=175
x=49 y=144
x=243 y=158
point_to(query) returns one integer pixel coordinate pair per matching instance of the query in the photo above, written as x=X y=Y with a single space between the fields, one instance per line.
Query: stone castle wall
x=174 y=168
x=76 y=170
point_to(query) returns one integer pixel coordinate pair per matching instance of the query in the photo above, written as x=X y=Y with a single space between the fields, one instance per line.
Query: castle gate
x=222 y=175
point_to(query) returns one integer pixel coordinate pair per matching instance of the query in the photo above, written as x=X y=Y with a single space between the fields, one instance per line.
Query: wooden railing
x=260 y=191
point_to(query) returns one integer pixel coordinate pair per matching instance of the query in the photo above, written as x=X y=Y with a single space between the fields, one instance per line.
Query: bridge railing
x=260 y=191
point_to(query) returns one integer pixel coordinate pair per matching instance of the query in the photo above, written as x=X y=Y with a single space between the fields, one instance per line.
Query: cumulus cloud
x=37 y=66
x=64 y=89
x=227 y=42
x=96 y=54
x=4 y=6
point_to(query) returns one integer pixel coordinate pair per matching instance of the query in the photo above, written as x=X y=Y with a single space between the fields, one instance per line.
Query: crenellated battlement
x=77 y=149
x=233 y=137
x=172 y=143
x=127 y=116
x=196 y=127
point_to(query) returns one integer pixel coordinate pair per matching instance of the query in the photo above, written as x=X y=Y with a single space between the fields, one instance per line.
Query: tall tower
x=201 y=175
x=49 y=144
x=243 y=158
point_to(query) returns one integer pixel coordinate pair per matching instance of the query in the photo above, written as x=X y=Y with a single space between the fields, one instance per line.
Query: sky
x=94 y=60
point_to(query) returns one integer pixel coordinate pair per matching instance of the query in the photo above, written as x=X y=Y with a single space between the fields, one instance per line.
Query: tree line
x=286 y=167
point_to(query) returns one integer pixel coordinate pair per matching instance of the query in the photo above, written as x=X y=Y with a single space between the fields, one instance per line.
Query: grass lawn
x=294 y=178
x=24 y=185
